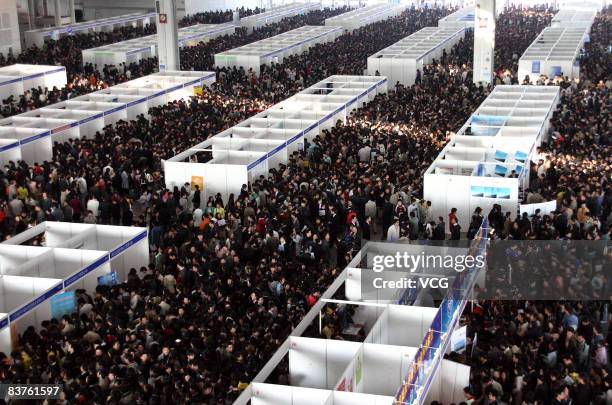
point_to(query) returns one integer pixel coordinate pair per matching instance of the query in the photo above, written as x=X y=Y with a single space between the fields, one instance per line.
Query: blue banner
x=63 y=304
x=109 y=279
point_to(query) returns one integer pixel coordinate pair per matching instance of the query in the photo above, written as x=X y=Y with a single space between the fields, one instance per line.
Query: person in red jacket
x=452 y=215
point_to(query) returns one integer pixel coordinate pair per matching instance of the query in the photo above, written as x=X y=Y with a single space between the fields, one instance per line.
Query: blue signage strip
x=9 y=146
x=34 y=138
x=127 y=244
x=13 y=316
x=4 y=322
x=83 y=272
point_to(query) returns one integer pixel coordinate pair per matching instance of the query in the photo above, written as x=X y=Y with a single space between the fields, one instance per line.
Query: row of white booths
x=400 y=61
x=398 y=359
x=240 y=154
x=52 y=258
x=277 y=48
x=352 y=20
x=557 y=50
x=30 y=136
x=276 y=14
x=488 y=160
x=39 y=36
x=15 y=80
x=137 y=49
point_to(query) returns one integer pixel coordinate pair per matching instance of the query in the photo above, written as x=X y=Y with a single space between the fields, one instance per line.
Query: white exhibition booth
x=574 y=18
x=403 y=343
x=137 y=49
x=581 y=5
x=555 y=52
x=276 y=48
x=462 y=18
x=30 y=136
x=17 y=79
x=488 y=160
x=360 y=17
x=236 y=156
x=39 y=36
x=70 y=256
x=400 y=61
x=276 y=14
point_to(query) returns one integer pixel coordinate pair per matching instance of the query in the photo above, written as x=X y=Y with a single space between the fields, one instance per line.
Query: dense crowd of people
x=515 y=29
x=230 y=278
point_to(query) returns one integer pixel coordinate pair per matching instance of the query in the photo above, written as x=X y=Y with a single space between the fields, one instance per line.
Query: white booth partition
x=362 y=16
x=448 y=383
x=487 y=162
x=272 y=394
x=276 y=14
x=15 y=80
x=29 y=136
x=239 y=155
x=400 y=61
x=402 y=325
x=275 y=49
x=377 y=369
x=39 y=36
x=137 y=49
x=319 y=363
x=555 y=52
x=462 y=18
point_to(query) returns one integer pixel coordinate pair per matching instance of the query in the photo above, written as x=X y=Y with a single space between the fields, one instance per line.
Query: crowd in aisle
x=229 y=278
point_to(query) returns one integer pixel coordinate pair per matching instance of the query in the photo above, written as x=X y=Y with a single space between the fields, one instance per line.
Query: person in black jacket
x=438 y=232
x=455 y=230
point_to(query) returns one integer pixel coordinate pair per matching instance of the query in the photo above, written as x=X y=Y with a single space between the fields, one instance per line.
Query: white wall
x=9 y=27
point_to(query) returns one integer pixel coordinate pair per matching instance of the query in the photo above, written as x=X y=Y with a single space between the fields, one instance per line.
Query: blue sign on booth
x=63 y=304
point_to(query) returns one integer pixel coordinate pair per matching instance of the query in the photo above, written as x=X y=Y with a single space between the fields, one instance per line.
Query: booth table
x=39 y=36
